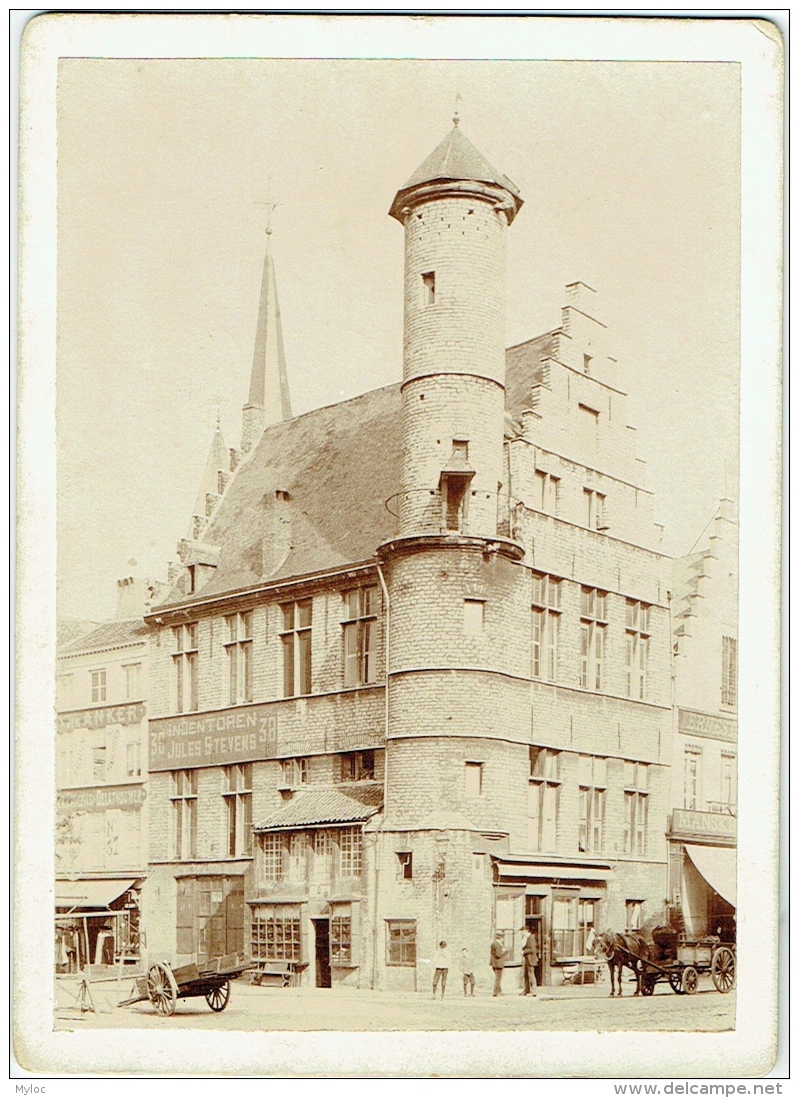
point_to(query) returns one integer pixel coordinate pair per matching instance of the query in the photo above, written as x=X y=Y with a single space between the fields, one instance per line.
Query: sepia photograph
x=388 y=410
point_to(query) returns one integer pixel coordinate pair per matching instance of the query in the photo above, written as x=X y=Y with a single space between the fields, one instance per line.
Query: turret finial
x=456 y=118
x=270 y=206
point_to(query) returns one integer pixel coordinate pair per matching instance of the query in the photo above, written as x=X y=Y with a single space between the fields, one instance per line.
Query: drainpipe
x=386 y=657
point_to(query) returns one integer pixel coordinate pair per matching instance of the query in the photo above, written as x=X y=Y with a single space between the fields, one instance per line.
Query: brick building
x=703 y=824
x=413 y=679
x=101 y=767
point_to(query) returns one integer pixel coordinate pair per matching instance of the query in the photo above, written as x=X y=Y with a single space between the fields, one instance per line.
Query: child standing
x=467 y=968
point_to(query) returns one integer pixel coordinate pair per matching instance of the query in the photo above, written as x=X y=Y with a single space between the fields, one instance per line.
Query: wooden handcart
x=164 y=985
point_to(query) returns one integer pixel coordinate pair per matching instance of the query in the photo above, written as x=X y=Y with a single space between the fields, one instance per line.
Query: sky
x=630 y=174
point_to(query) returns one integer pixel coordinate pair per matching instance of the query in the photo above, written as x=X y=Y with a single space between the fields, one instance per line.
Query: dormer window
x=429 y=288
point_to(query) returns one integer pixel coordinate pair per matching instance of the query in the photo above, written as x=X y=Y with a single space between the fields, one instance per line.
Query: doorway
x=534 y=921
x=322 y=953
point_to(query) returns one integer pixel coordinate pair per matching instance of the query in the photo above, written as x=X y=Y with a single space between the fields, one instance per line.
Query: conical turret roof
x=269 y=388
x=455 y=158
x=218 y=461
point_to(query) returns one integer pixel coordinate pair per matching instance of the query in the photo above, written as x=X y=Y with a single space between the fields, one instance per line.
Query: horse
x=621 y=951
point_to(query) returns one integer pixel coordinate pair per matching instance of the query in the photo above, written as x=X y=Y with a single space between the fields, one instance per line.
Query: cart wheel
x=218 y=997
x=161 y=988
x=648 y=986
x=675 y=982
x=722 y=970
x=690 y=980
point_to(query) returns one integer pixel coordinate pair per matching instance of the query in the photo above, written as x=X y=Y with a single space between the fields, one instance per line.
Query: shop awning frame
x=92 y=897
x=717 y=865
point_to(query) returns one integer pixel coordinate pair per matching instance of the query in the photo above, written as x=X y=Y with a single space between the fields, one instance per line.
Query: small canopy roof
x=328 y=806
x=717 y=865
x=86 y=895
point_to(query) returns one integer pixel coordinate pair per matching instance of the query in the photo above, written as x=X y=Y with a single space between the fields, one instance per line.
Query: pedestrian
x=441 y=963
x=467 y=968
x=498 y=957
x=529 y=961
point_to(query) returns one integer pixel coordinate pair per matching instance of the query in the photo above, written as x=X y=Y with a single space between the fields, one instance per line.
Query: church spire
x=269 y=389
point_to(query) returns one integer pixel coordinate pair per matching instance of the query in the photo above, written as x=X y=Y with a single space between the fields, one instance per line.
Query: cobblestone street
x=350 y=1010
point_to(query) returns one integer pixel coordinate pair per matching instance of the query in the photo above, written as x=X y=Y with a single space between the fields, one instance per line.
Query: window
x=296 y=638
x=429 y=288
x=636 y=806
x=401 y=942
x=573 y=924
x=238 y=799
x=592 y=776
x=276 y=934
x=588 y=428
x=322 y=855
x=360 y=636
x=473 y=617
x=98 y=764
x=132 y=681
x=586 y=364
x=637 y=648
x=133 y=759
x=272 y=857
x=350 y=852
x=729 y=671
x=692 y=768
x=474 y=779
x=728 y=800
x=543 y=795
x=635 y=914
x=294 y=771
x=594 y=509
x=298 y=856
x=184 y=813
x=341 y=936
x=547 y=489
x=357 y=766
x=593 y=616
x=184 y=659
x=405 y=865
x=239 y=652
x=546 y=626
x=98 y=686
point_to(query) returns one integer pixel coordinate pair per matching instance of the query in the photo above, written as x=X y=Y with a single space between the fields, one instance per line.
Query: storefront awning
x=85 y=895
x=520 y=871
x=717 y=866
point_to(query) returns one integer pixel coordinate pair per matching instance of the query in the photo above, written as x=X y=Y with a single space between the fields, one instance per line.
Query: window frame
x=184 y=814
x=729 y=671
x=237 y=796
x=360 y=636
x=546 y=614
x=401 y=950
x=297 y=642
x=239 y=648
x=98 y=679
x=185 y=663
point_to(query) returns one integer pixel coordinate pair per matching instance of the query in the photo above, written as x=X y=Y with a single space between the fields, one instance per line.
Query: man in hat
x=529 y=961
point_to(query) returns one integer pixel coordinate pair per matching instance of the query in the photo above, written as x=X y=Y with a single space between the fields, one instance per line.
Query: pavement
x=345 y=1009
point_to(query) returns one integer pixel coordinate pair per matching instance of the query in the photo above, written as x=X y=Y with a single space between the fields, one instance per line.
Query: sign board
x=101 y=718
x=99 y=798
x=693 y=723
x=716 y=826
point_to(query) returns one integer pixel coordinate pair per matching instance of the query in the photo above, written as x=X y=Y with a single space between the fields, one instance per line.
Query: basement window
x=429 y=288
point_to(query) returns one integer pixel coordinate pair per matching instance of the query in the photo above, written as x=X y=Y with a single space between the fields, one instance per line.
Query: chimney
x=277 y=536
x=130 y=598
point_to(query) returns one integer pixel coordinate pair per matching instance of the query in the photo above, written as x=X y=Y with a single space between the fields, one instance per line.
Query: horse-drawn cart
x=164 y=985
x=682 y=969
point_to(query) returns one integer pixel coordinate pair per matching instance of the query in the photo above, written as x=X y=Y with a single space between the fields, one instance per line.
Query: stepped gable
x=524 y=368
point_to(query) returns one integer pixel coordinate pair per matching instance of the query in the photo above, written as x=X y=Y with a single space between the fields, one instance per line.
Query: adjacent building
x=702 y=832
x=413 y=678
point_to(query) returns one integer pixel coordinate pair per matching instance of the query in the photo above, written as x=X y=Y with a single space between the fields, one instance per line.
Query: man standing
x=498 y=957
x=441 y=962
x=530 y=960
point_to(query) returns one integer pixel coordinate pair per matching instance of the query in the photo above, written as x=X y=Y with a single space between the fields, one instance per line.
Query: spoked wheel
x=162 y=989
x=218 y=997
x=690 y=980
x=722 y=969
x=648 y=986
x=675 y=982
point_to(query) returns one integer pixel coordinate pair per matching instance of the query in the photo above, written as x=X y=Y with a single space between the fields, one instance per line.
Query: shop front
x=703 y=871
x=97 y=923
x=562 y=907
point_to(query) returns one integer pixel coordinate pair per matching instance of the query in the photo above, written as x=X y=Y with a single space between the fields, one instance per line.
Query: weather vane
x=270 y=206
x=457 y=116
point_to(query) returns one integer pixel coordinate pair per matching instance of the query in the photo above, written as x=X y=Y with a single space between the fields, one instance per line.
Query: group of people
x=498 y=958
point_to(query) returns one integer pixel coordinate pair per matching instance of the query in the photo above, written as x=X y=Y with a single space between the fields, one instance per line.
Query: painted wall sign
x=101 y=718
x=705 y=724
x=98 y=799
x=267 y=731
x=687 y=823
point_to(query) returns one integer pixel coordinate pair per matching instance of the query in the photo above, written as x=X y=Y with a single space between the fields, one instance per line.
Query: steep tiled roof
x=310 y=808
x=112 y=634
x=339 y=464
x=455 y=158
